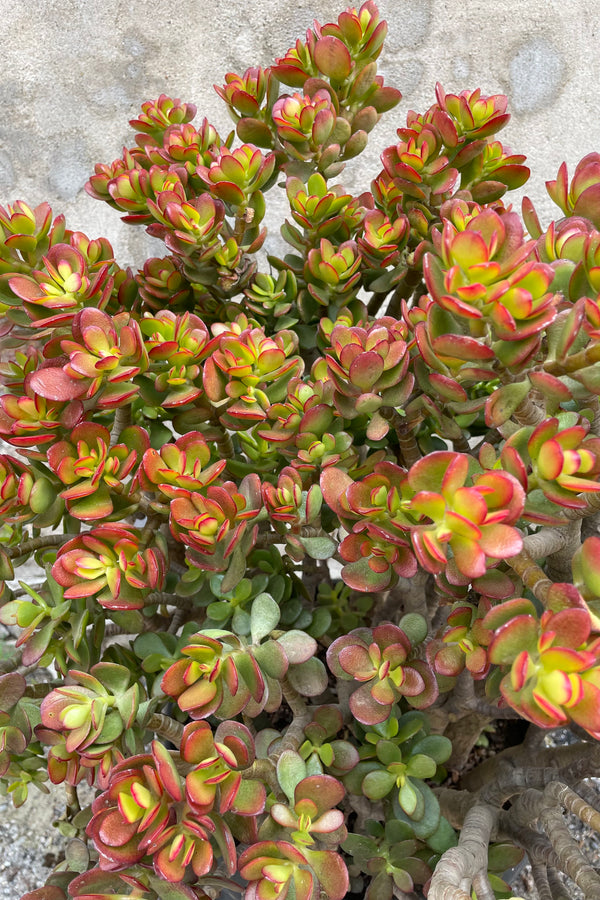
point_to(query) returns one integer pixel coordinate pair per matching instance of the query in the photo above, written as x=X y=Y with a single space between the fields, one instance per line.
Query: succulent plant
x=301 y=530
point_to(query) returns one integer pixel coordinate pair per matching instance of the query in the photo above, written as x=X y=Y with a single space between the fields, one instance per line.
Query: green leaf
x=298 y=646
x=291 y=769
x=502 y=856
x=426 y=824
x=240 y=622
x=115 y=678
x=321 y=622
x=414 y=625
x=408 y=798
x=421 y=766
x=377 y=785
x=308 y=678
x=435 y=746
x=264 y=617
x=443 y=837
x=12 y=688
x=319 y=547
x=388 y=752
x=77 y=855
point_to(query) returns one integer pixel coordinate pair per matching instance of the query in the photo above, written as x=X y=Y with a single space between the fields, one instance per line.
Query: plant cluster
x=305 y=528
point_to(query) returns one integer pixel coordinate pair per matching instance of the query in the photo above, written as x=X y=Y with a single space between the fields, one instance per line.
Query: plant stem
x=143 y=504
x=166 y=727
x=39 y=543
x=122 y=421
x=409 y=449
x=460 y=866
x=222 y=438
x=264 y=770
x=376 y=301
x=528 y=413
x=295 y=732
x=531 y=575
x=168 y=600
x=580 y=360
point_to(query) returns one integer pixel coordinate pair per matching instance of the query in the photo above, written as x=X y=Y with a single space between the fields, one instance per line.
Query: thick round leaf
x=264 y=617
x=308 y=678
x=377 y=785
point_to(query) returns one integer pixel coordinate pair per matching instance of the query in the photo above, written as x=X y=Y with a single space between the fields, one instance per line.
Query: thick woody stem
x=571 y=801
x=482 y=887
x=461 y=444
x=177 y=620
x=376 y=301
x=166 y=727
x=588 y=793
x=559 y=891
x=558 y=564
x=538 y=847
x=594 y=404
x=295 y=732
x=571 y=859
x=168 y=600
x=222 y=439
x=264 y=770
x=540 y=877
x=73 y=805
x=544 y=542
x=454 y=804
x=122 y=421
x=531 y=575
x=409 y=449
x=589 y=514
x=532 y=805
x=529 y=413
x=460 y=866
x=150 y=529
x=592 y=506
x=39 y=543
x=579 y=360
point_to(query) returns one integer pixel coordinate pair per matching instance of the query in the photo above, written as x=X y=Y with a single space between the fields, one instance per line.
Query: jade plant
x=284 y=539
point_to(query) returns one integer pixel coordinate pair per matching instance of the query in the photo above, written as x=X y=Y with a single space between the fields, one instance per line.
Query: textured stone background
x=74 y=72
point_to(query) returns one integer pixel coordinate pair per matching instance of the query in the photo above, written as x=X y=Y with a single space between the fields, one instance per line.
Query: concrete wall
x=74 y=72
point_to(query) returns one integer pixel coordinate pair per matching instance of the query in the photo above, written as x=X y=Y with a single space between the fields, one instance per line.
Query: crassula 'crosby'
x=305 y=536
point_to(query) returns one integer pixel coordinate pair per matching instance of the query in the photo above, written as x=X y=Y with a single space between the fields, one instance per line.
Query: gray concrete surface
x=74 y=72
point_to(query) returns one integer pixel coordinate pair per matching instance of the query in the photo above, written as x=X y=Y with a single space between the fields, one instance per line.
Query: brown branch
x=264 y=770
x=409 y=449
x=558 y=564
x=539 y=872
x=571 y=859
x=301 y=717
x=166 y=727
x=528 y=412
x=586 y=357
x=39 y=543
x=165 y=599
x=559 y=891
x=122 y=421
x=544 y=542
x=531 y=575
x=461 y=866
